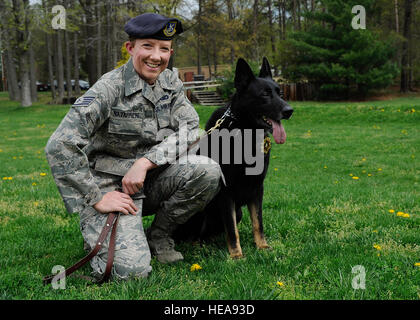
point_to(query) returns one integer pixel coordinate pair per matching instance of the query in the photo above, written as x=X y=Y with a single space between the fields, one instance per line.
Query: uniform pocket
x=163 y=114
x=125 y=122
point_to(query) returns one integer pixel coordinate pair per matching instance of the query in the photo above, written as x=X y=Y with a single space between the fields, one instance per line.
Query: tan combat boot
x=161 y=244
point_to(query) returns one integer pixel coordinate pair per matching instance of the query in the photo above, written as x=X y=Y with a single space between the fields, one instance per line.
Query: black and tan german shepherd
x=255 y=110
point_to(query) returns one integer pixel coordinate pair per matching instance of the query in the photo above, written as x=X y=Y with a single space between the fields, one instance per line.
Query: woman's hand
x=133 y=180
x=116 y=201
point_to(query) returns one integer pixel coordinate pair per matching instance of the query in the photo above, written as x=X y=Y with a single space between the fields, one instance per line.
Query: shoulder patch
x=84 y=101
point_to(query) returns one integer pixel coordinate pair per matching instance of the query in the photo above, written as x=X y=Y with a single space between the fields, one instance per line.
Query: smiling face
x=150 y=57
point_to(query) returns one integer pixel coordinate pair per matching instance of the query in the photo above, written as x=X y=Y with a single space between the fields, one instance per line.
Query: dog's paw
x=262 y=245
x=236 y=256
x=235 y=253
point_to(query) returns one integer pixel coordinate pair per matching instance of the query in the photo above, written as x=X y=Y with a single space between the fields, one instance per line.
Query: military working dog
x=255 y=110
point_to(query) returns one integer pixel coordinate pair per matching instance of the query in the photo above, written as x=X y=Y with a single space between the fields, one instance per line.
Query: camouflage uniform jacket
x=120 y=119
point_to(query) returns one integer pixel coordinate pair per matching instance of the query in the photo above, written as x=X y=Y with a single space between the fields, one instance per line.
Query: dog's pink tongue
x=279 y=133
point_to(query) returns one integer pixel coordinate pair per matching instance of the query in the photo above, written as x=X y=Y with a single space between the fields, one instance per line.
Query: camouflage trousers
x=178 y=191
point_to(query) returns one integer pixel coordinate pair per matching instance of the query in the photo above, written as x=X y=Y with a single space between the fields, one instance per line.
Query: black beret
x=153 y=25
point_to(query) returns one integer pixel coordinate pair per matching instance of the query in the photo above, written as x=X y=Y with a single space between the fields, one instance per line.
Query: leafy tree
x=336 y=58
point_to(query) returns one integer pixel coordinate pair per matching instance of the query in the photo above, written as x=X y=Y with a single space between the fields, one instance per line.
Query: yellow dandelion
x=375 y=231
x=363 y=171
x=406 y=215
x=274 y=157
x=369 y=174
x=364 y=159
x=382 y=110
x=9 y=178
x=280 y=284
x=325 y=167
x=275 y=169
x=400 y=214
x=42 y=174
x=417 y=264
x=36 y=203
x=14 y=158
x=377 y=247
x=391 y=210
x=351 y=174
x=413 y=110
x=355 y=178
x=379 y=169
x=34 y=183
x=195 y=267
x=1 y=150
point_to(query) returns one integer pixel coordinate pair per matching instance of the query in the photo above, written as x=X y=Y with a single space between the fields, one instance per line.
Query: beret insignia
x=170 y=29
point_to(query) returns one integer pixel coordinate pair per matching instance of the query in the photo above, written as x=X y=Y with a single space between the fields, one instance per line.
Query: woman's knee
x=132 y=264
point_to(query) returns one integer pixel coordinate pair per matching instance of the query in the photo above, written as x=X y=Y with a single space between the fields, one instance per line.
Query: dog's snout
x=287 y=112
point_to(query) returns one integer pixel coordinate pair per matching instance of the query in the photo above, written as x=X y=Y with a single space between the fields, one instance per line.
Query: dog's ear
x=265 y=71
x=243 y=75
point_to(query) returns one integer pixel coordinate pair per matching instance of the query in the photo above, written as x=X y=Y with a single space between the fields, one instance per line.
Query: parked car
x=84 y=85
x=41 y=86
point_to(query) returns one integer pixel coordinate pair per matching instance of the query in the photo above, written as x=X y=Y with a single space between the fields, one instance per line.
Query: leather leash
x=111 y=222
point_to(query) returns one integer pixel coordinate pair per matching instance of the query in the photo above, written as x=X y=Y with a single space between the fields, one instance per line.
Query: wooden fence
x=297 y=91
x=291 y=91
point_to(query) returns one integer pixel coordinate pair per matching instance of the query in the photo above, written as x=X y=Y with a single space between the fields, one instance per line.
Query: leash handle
x=111 y=222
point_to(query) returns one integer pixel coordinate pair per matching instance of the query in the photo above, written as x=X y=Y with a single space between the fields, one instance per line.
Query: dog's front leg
x=255 y=210
x=231 y=229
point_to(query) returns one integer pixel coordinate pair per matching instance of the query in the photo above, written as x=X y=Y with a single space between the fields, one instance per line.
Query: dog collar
x=228 y=114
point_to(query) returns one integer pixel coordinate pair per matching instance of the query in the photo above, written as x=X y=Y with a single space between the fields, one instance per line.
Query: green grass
x=319 y=221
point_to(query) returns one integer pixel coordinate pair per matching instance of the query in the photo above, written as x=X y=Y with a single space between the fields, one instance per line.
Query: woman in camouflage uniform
x=120 y=134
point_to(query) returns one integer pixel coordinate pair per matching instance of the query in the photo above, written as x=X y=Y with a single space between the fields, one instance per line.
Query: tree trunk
x=21 y=17
x=271 y=28
x=283 y=15
x=32 y=73
x=60 y=68
x=199 y=37
x=50 y=66
x=255 y=31
x=208 y=58
x=299 y=26
x=109 y=64
x=76 y=65
x=89 y=31
x=397 y=24
x=9 y=63
x=405 y=59
x=12 y=78
x=68 y=65
x=25 y=81
x=99 y=35
x=230 y=17
x=114 y=47
x=214 y=57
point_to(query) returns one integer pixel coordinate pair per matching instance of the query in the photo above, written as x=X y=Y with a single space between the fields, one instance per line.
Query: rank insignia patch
x=83 y=101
